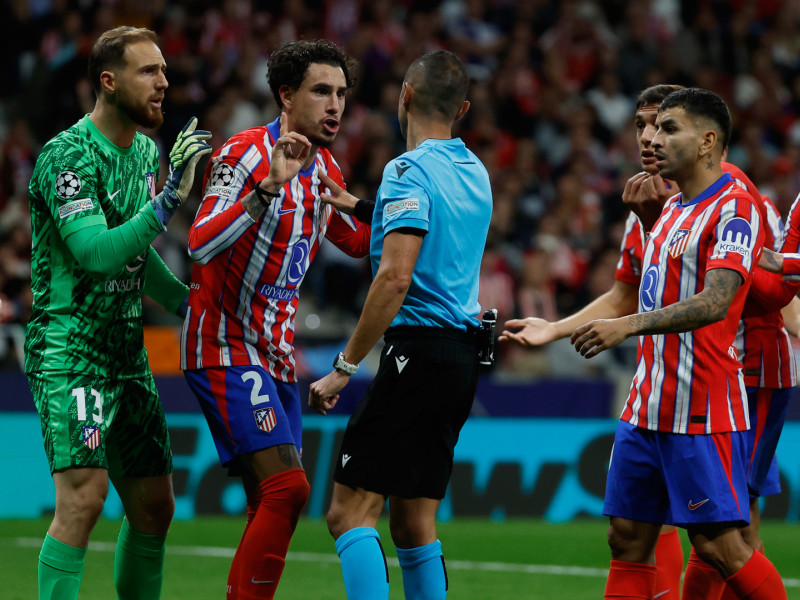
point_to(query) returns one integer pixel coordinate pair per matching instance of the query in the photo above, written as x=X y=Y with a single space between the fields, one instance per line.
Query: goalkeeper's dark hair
x=108 y=51
x=440 y=83
x=289 y=64
x=655 y=94
x=702 y=103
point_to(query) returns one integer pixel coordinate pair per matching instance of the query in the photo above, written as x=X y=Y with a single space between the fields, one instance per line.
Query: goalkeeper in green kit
x=94 y=213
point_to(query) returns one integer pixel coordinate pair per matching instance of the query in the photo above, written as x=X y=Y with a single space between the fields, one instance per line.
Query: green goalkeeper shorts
x=93 y=421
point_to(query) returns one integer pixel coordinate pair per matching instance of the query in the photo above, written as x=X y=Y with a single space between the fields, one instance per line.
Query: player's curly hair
x=107 y=52
x=289 y=64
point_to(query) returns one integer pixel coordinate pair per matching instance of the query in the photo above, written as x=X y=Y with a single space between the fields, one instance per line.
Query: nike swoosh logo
x=285 y=211
x=114 y=195
x=401 y=363
x=345 y=459
x=659 y=594
x=401 y=169
x=256 y=581
x=693 y=506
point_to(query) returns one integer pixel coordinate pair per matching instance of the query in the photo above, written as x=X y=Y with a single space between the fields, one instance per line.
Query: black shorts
x=400 y=439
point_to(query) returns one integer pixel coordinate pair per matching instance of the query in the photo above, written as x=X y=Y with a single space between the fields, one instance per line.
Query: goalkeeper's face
x=315 y=108
x=140 y=85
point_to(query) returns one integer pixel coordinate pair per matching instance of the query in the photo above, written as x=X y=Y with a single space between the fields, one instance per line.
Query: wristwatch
x=340 y=364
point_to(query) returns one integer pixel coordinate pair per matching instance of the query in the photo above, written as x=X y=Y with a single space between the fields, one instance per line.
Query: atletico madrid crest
x=90 y=434
x=679 y=242
x=265 y=419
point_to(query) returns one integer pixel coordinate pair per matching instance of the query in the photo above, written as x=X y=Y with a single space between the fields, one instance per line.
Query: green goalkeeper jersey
x=89 y=320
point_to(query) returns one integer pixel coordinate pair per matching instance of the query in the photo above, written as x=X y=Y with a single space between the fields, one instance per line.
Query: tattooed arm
x=708 y=306
x=771 y=261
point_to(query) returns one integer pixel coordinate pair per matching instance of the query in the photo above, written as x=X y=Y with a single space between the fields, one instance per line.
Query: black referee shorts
x=400 y=439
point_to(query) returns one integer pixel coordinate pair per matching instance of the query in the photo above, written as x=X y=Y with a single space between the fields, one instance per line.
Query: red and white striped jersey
x=762 y=342
x=692 y=382
x=245 y=282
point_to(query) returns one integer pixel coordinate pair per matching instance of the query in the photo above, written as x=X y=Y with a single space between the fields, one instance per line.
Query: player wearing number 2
x=258 y=229
x=94 y=213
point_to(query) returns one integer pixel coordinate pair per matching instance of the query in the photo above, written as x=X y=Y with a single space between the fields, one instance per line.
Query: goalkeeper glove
x=189 y=148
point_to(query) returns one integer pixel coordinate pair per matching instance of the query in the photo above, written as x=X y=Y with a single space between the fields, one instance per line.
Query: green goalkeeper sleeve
x=162 y=285
x=102 y=252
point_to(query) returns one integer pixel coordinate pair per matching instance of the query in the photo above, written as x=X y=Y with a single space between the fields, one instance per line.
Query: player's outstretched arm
x=708 y=306
x=189 y=148
x=620 y=300
x=345 y=202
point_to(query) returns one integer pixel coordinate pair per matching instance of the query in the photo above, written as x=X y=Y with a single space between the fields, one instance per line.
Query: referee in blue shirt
x=429 y=227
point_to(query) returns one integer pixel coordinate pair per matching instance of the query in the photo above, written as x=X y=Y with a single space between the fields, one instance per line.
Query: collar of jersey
x=710 y=190
x=274 y=130
x=98 y=135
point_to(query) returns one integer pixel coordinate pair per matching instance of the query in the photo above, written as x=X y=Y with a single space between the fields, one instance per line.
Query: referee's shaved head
x=440 y=83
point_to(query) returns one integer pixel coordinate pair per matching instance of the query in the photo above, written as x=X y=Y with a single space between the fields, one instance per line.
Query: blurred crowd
x=553 y=90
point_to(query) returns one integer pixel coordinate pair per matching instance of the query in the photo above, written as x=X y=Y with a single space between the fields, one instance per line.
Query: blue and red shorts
x=677 y=479
x=247 y=410
x=767 y=415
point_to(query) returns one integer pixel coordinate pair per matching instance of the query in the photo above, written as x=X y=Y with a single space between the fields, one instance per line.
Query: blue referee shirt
x=442 y=188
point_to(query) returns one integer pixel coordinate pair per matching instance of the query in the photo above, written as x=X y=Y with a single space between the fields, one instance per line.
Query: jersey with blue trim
x=692 y=382
x=442 y=189
x=245 y=283
x=762 y=342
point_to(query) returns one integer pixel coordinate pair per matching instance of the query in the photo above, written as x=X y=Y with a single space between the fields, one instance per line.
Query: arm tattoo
x=709 y=306
x=253 y=205
x=771 y=260
x=710 y=163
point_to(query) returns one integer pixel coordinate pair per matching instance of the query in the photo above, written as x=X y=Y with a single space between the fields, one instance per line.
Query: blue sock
x=424 y=573
x=366 y=576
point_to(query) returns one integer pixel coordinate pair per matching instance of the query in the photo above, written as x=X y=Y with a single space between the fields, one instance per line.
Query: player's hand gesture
x=323 y=394
x=595 y=336
x=338 y=197
x=646 y=194
x=532 y=332
x=189 y=148
x=289 y=154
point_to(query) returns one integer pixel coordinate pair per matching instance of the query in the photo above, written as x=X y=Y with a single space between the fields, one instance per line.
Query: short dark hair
x=440 y=83
x=655 y=94
x=702 y=103
x=108 y=51
x=289 y=64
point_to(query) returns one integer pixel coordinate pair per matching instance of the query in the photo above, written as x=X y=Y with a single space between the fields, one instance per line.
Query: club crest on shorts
x=90 y=435
x=265 y=419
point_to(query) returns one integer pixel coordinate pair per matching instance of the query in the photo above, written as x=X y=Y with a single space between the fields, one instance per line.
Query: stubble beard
x=143 y=115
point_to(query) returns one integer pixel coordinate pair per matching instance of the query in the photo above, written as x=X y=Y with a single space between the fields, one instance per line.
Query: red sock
x=233 y=575
x=264 y=545
x=701 y=581
x=630 y=581
x=669 y=566
x=729 y=594
x=758 y=579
